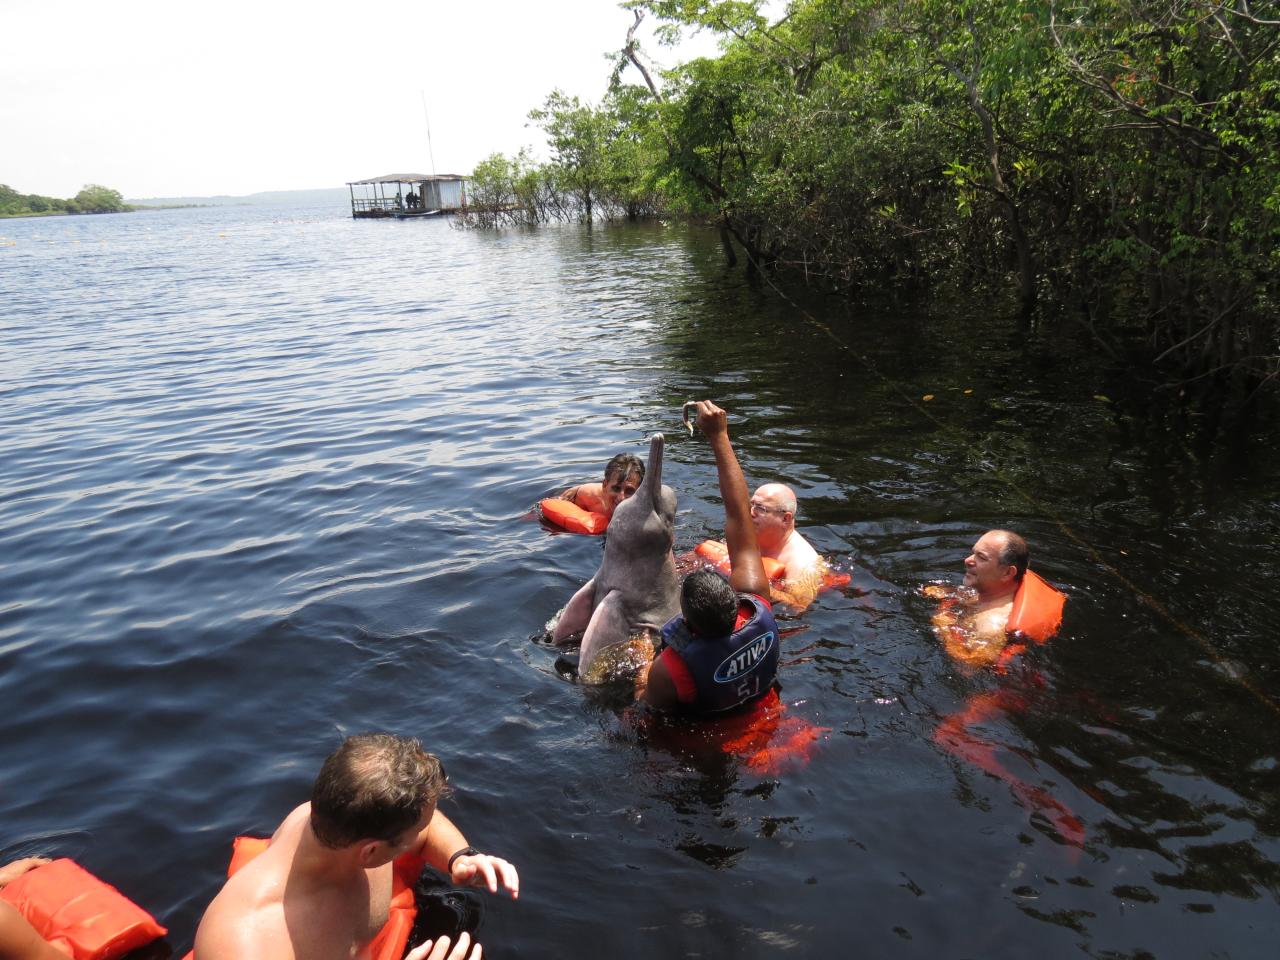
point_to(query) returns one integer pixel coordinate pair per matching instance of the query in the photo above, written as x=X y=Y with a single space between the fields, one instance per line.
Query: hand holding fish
x=711 y=420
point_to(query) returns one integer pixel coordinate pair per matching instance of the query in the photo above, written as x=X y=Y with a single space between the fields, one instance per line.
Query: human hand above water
x=438 y=949
x=712 y=420
x=483 y=870
x=12 y=871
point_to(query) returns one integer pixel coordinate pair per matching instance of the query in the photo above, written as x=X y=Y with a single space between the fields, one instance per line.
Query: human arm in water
x=13 y=870
x=588 y=496
x=440 y=840
x=655 y=687
x=18 y=938
x=799 y=592
x=973 y=638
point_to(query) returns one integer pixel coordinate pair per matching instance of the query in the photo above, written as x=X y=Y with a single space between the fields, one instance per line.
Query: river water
x=266 y=478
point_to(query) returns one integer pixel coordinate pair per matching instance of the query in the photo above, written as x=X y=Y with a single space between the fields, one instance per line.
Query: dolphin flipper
x=608 y=626
x=577 y=613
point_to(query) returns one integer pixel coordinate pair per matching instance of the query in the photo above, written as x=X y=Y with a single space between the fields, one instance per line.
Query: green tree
x=632 y=153
x=577 y=134
x=1117 y=157
x=509 y=190
x=98 y=199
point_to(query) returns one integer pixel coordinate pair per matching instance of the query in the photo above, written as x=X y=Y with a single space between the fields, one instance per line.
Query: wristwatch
x=464 y=852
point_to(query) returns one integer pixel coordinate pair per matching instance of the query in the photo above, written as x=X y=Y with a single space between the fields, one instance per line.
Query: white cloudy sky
x=191 y=97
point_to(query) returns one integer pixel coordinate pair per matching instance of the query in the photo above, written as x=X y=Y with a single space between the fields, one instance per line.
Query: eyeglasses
x=764 y=508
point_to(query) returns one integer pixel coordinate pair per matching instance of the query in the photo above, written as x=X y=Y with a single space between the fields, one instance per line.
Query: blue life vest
x=733 y=670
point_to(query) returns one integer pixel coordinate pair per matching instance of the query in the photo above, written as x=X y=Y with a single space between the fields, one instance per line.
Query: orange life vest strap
x=569 y=516
x=78 y=913
x=717 y=553
x=244 y=849
x=831 y=580
x=1037 y=609
x=391 y=940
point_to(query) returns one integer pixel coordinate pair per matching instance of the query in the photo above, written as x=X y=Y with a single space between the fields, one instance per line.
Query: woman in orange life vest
x=595 y=502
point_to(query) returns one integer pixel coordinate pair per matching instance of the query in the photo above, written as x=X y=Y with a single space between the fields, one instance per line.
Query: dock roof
x=408 y=178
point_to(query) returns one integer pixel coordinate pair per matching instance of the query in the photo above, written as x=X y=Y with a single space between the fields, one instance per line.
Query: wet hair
x=374 y=787
x=623 y=465
x=1013 y=552
x=709 y=604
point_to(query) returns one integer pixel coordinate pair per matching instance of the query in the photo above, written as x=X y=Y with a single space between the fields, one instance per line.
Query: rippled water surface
x=265 y=480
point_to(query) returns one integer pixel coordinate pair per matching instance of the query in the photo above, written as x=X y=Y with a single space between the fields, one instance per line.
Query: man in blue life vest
x=722 y=651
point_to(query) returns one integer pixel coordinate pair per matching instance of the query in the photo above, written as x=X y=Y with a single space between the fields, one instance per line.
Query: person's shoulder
x=258 y=881
x=593 y=499
x=666 y=677
x=238 y=925
x=293 y=821
x=993 y=621
x=800 y=551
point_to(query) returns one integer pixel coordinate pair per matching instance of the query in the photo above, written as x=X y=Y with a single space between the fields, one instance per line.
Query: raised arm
x=739 y=532
x=441 y=842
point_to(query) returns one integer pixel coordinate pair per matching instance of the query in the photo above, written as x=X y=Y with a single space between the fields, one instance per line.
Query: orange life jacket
x=763 y=736
x=1037 y=609
x=1036 y=615
x=76 y=912
x=569 y=516
x=391 y=940
x=716 y=552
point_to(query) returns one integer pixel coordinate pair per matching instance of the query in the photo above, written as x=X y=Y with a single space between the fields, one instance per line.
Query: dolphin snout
x=653 y=470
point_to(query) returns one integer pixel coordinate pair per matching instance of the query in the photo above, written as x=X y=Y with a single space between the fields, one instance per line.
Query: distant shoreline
x=336 y=196
x=322 y=195
x=131 y=208
x=30 y=214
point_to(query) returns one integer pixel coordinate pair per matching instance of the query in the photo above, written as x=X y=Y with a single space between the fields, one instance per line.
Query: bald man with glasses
x=773 y=510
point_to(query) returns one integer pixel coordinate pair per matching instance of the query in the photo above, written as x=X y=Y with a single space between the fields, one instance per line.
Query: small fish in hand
x=684 y=413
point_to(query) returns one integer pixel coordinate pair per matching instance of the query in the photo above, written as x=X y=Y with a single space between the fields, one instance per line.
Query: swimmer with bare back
x=322 y=888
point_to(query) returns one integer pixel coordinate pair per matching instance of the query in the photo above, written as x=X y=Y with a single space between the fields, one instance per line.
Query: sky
x=195 y=98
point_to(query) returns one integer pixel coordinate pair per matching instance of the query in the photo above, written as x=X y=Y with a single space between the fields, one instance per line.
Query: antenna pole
x=426 y=116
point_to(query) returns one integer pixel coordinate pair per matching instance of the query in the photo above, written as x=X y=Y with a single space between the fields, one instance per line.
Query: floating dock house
x=408 y=195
